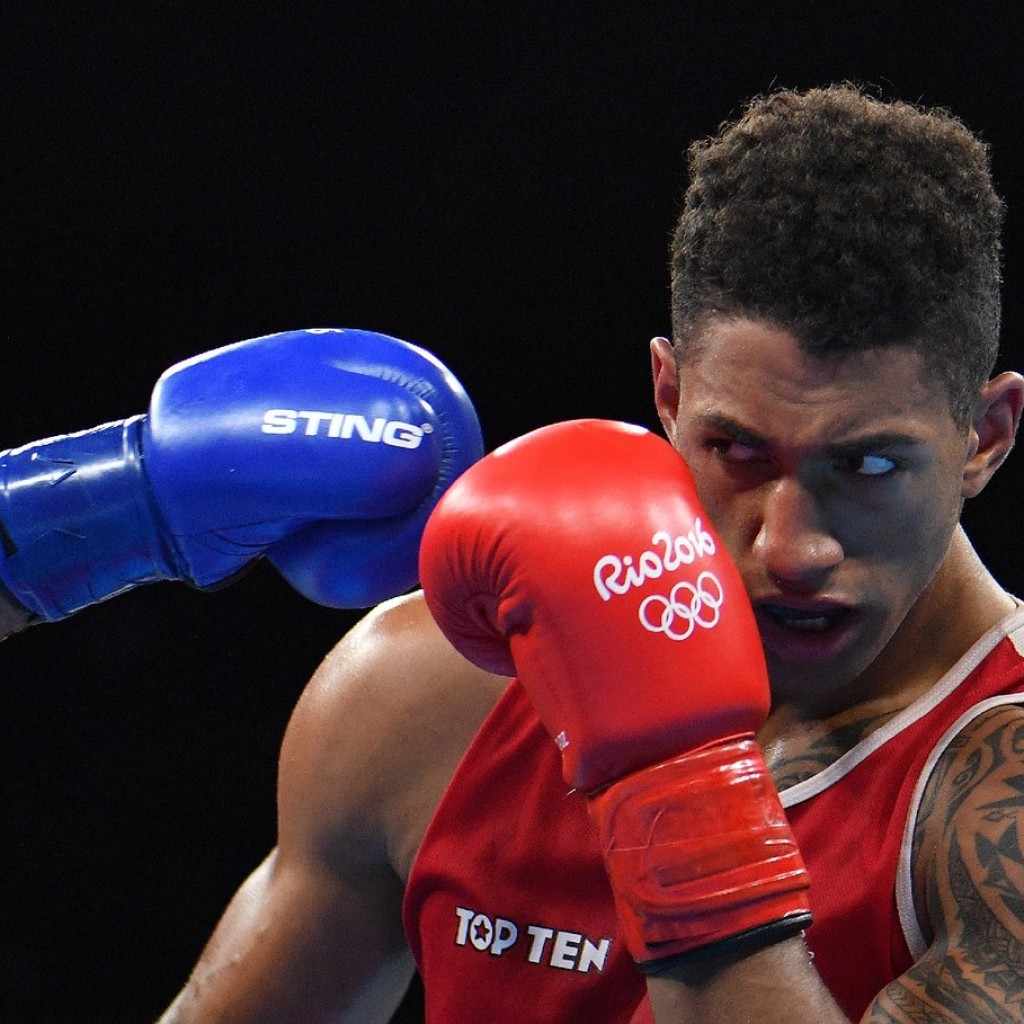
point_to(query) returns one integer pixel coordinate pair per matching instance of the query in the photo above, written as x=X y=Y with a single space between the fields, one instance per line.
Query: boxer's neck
x=801 y=739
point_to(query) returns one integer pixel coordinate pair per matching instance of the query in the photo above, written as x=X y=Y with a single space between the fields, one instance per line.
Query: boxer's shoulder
x=379 y=732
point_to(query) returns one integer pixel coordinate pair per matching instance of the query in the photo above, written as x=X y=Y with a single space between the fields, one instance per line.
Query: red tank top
x=508 y=911
x=854 y=822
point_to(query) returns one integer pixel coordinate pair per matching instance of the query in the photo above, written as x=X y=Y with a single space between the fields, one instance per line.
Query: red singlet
x=508 y=910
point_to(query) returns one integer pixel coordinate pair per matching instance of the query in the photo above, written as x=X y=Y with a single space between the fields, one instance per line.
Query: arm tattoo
x=974 y=810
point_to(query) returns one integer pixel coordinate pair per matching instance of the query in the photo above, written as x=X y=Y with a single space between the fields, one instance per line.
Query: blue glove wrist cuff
x=77 y=526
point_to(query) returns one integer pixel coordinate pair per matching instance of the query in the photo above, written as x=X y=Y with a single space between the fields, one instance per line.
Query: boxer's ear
x=666 y=384
x=994 y=426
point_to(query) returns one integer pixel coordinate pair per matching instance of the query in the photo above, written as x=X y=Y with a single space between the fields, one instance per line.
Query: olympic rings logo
x=691 y=604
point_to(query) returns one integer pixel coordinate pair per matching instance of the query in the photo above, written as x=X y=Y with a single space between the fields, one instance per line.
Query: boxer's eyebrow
x=855 y=444
x=733 y=429
x=881 y=441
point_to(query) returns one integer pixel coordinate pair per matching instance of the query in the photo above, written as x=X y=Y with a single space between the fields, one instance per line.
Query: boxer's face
x=835 y=484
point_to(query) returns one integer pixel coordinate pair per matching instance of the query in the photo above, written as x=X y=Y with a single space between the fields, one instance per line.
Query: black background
x=495 y=182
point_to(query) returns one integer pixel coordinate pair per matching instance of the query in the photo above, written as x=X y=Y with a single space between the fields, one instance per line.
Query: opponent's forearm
x=774 y=985
x=13 y=616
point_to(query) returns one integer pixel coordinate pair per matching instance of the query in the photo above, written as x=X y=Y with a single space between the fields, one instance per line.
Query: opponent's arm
x=969 y=864
x=315 y=935
x=322 y=449
x=14 y=616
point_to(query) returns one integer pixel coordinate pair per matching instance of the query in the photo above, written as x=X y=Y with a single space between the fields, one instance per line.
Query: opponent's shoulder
x=379 y=730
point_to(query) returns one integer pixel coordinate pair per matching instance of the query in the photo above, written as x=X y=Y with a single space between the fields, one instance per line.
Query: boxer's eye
x=731 y=450
x=867 y=465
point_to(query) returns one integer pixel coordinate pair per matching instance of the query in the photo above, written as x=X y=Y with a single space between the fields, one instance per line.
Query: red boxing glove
x=579 y=559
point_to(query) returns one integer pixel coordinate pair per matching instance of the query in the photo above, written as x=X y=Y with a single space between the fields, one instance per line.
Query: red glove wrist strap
x=698 y=850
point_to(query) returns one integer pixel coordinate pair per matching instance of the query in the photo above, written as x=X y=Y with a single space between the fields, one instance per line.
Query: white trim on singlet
x=905 y=906
x=843 y=765
x=1013 y=627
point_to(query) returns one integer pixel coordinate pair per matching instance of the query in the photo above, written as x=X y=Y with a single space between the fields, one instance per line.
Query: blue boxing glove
x=324 y=450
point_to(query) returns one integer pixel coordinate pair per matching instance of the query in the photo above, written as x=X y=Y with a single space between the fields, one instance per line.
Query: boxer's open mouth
x=807 y=631
x=805 y=620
